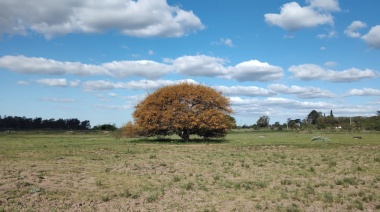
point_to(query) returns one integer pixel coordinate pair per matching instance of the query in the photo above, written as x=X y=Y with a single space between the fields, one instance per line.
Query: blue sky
x=95 y=61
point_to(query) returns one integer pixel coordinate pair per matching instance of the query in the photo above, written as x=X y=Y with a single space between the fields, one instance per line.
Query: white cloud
x=134 y=85
x=351 y=30
x=114 y=107
x=98 y=85
x=199 y=65
x=301 y=92
x=328 y=5
x=330 y=34
x=330 y=64
x=255 y=70
x=52 y=82
x=151 y=52
x=372 y=39
x=315 y=72
x=143 y=68
x=153 y=85
x=58 y=100
x=227 y=42
x=275 y=104
x=120 y=69
x=38 y=65
x=244 y=90
x=143 y=18
x=21 y=82
x=364 y=92
x=112 y=94
x=294 y=17
x=74 y=83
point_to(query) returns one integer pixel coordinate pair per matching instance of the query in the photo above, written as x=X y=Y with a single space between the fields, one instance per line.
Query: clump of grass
x=312 y=169
x=286 y=182
x=99 y=183
x=106 y=198
x=328 y=197
x=35 y=189
x=293 y=208
x=126 y=193
x=152 y=197
x=176 y=178
x=188 y=186
x=320 y=138
x=332 y=164
x=356 y=205
x=347 y=181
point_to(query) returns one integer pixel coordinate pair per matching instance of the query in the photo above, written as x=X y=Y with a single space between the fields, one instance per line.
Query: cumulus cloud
x=199 y=65
x=244 y=90
x=223 y=41
x=98 y=85
x=143 y=18
x=279 y=103
x=143 y=68
x=364 y=92
x=327 y=5
x=227 y=42
x=255 y=70
x=315 y=72
x=301 y=92
x=38 y=65
x=120 y=69
x=52 y=82
x=293 y=17
x=330 y=34
x=153 y=85
x=372 y=39
x=352 y=29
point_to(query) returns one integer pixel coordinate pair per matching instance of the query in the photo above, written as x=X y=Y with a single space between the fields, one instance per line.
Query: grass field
x=248 y=171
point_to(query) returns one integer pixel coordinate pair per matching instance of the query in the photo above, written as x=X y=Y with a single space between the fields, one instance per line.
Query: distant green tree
x=331 y=113
x=313 y=117
x=263 y=122
x=106 y=127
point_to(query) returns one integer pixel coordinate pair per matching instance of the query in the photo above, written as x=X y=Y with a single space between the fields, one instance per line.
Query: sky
x=95 y=60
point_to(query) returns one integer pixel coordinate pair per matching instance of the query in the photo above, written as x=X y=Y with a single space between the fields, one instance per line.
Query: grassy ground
x=249 y=171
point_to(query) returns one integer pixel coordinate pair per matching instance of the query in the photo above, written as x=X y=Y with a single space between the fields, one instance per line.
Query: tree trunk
x=185 y=136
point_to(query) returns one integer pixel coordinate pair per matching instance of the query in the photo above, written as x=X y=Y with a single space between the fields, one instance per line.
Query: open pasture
x=248 y=171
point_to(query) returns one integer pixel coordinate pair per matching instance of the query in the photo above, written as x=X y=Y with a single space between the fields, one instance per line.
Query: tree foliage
x=23 y=123
x=107 y=127
x=183 y=109
x=313 y=117
x=263 y=122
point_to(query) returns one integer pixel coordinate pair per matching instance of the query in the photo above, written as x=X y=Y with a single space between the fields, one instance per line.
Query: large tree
x=263 y=122
x=184 y=109
x=313 y=116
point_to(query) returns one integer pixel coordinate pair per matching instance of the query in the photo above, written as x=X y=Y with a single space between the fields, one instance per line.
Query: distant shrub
x=320 y=138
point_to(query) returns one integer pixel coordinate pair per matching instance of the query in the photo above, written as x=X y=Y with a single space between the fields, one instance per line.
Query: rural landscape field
x=246 y=171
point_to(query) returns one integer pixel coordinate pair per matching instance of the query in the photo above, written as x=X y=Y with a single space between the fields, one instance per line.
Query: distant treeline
x=23 y=123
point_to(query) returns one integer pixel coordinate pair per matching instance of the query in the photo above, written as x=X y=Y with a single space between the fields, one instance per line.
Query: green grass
x=247 y=171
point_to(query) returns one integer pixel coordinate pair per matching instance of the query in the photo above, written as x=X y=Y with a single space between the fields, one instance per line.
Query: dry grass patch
x=282 y=172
